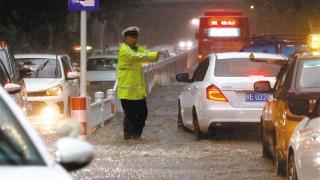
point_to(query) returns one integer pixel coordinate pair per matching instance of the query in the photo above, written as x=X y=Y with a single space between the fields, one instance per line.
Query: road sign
x=83 y=5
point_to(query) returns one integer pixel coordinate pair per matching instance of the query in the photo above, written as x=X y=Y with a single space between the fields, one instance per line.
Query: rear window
x=309 y=70
x=244 y=68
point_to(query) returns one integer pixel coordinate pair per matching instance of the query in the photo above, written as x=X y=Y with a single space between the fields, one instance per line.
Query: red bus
x=221 y=31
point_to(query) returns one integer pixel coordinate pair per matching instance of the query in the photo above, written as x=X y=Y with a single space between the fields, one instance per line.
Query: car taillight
x=214 y=93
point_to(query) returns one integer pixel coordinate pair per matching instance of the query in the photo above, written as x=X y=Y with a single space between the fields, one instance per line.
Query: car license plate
x=257 y=97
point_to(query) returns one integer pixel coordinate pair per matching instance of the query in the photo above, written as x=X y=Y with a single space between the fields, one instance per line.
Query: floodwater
x=167 y=152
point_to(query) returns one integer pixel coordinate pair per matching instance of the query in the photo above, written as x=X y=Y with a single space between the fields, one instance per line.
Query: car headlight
x=55 y=91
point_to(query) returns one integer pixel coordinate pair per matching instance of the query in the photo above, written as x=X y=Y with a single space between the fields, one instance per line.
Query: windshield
x=15 y=146
x=309 y=70
x=112 y=52
x=102 y=64
x=244 y=68
x=41 y=68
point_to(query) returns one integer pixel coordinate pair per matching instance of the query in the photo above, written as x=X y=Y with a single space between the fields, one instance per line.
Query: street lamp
x=182 y=44
x=189 y=44
x=252 y=7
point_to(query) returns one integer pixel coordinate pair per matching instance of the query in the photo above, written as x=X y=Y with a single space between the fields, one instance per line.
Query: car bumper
x=37 y=105
x=215 y=116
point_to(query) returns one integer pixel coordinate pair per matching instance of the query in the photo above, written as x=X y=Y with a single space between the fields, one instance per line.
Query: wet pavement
x=166 y=152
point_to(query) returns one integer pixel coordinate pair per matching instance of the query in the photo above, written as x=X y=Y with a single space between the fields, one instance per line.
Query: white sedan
x=304 y=147
x=222 y=90
x=50 y=85
x=23 y=154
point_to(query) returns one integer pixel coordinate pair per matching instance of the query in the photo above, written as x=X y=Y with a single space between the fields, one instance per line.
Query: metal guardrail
x=160 y=73
x=164 y=71
x=100 y=111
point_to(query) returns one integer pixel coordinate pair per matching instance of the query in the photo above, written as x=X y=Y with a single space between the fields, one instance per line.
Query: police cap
x=131 y=31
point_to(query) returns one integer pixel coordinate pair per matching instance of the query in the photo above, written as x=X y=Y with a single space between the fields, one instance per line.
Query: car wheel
x=265 y=151
x=179 y=120
x=280 y=165
x=197 y=131
x=292 y=171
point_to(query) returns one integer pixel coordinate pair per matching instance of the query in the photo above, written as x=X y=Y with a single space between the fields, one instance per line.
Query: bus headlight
x=55 y=91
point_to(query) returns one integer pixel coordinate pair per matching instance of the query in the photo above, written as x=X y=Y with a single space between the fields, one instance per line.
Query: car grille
x=36 y=108
x=39 y=93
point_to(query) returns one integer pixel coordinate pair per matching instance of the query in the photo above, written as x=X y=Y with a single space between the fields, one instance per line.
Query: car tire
x=265 y=151
x=292 y=171
x=197 y=132
x=280 y=165
x=179 y=120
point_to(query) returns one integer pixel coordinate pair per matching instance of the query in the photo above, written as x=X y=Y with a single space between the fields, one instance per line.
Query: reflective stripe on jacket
x=130 y=73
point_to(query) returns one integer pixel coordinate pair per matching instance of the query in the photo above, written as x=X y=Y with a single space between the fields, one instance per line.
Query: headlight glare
x=55 y=91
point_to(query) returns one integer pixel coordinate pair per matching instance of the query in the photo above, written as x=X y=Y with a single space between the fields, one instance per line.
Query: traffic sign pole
x=83 y=54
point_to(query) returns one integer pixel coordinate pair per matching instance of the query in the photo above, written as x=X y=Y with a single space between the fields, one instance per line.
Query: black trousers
x=135 y=112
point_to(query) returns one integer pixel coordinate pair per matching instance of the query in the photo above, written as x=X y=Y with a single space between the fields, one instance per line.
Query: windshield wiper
x=40 y=68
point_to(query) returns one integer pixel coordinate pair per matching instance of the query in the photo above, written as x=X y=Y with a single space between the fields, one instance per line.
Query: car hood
x=41 y=84
x=33 y=172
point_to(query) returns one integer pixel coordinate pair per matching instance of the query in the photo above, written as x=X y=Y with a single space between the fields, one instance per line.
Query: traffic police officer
x=131 y=87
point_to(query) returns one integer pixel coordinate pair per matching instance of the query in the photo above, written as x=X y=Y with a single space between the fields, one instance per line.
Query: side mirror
x=183 y=77
x=72 y=75
x=25 y=72
x=73 y=153
x=69 y=128
x=262 y=86
x=299 y=107
x=12 y=88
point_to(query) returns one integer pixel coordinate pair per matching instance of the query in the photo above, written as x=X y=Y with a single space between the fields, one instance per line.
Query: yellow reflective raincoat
x=130 y=73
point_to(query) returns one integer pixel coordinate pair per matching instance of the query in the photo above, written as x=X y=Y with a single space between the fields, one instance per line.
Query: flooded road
x=166 y=152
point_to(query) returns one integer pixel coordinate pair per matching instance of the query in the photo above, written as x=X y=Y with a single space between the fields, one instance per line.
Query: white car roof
x=45 y=56
x=231 y=55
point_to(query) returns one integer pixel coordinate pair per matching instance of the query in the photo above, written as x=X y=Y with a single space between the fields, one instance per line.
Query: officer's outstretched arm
x=145 y=56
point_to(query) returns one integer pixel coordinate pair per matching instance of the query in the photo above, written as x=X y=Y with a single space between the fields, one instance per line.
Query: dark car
x=297 y=83
x=12 y=74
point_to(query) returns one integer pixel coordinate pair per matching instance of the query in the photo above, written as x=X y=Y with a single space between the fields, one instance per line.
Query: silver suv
x=14 y=83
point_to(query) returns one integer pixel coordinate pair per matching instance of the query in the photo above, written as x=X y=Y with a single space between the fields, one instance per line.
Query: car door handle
x=196 y=87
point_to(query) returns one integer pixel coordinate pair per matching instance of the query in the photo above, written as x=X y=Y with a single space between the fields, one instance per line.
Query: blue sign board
x=83 y=5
